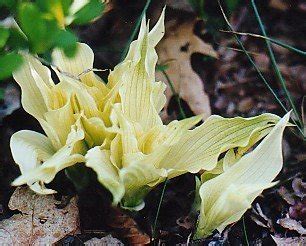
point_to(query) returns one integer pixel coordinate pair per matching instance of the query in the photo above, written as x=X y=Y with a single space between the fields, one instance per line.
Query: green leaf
x=90 y=11
x=66 y=40
x=17 y=40
x=4 y=35
x=47 y=5
x=41 y=34
x=10 y=4
x=9 y=63
x=162 y=67
x=1 y=93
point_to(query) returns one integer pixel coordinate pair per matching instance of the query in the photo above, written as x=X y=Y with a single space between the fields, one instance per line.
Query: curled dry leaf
x=286 y=195
x=260 y=218
x=292 y=224
x=126 y=227
x=185 y=222
x=299 y=187
x=40 y=222
x=177 y=46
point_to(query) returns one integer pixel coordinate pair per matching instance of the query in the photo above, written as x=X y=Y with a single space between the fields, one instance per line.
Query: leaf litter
x=39 y=220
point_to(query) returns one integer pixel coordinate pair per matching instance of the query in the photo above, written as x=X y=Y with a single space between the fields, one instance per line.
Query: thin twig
x=240 y=50
x=272 y=40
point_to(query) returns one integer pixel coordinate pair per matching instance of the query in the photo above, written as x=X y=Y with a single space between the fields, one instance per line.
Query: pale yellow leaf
x=200 y=148
x=99 y=160
x=226 y=197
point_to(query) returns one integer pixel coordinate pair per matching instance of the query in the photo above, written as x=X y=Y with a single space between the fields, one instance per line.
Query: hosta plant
x=225 y=198
x=115 y=128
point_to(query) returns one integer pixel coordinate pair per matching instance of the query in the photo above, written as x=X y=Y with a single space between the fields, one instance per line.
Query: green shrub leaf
x=9 y=63
x=90 y=11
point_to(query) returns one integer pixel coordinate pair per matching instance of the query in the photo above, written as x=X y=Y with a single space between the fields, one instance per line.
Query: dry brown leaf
x=104 y=241
x=292 y=224
x=40 y=221
x=299 y=187
x=178 y=45
x=286 y=195
x=260 y=218
x=291 y=241
x=279 y=4
x=126 y=227
x=185 y=222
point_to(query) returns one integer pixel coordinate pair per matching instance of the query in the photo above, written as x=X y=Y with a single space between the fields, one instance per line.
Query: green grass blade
x=257 y=69
x=175 y=94
x=245 y=232
x=272 y=40
x=275 y=66
x=252 y=61
x=158 y=208
x=135 y=30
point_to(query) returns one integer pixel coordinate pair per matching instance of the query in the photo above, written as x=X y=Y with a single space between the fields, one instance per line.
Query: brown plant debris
x=126 y=227
x=40 y=221
x=177 y=46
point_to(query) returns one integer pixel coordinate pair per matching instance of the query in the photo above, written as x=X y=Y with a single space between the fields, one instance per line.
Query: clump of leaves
x=40 y=26
x=116 y=130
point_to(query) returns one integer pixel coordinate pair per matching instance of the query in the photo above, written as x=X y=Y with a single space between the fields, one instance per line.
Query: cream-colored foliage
x=115 y=128
x=38 y=160
x=70 y=113
x=226 y=197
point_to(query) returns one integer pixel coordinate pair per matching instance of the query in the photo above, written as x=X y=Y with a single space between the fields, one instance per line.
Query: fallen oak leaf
x=40 y=221
x=178 y=45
